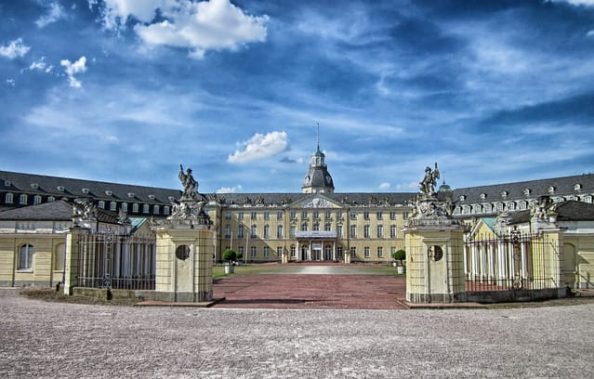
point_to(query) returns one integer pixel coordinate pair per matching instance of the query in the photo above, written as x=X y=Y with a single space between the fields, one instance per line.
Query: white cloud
x=576 y=2
x=234 y=189
x=73 y=68
x=197 y=26
x=14 y=49
x=116 y=12
x=384 y=186
x=41 y=65
x=54 y=13
x=10 y=82
x=260 y=146
x=590 y=33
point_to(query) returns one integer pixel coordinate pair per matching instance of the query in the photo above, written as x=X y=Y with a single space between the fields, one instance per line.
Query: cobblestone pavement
x=39 y=339
x=308 y=290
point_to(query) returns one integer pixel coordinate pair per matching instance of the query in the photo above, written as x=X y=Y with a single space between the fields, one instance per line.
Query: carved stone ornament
x=189 y=210
x=427 y=185
x=428 y=210
x=317 y=202
x=83 y=210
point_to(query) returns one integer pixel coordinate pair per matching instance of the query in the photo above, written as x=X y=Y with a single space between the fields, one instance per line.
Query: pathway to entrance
x=308 y=285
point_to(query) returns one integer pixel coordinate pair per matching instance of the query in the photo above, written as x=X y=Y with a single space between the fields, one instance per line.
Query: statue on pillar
x=427 y=185
x=188 y=182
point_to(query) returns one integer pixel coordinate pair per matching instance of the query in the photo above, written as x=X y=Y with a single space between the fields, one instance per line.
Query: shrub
x=229 y=255
x=399 y=255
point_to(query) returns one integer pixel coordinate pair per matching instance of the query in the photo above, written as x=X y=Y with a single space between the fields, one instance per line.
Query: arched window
x=23 y=199
x=156 y=209
x=9 y=198
x=145 y=208
x=25 y=261
x=37 y=199
x=101 y=204
x=304 y=227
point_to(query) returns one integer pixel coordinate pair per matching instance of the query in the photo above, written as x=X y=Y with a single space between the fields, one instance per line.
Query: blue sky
x=126 y=90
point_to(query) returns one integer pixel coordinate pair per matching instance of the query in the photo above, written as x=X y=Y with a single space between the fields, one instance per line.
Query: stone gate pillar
x=73 y=256
x=435 y=263
x=434 y=247
x=184 y=263
x=185 y=248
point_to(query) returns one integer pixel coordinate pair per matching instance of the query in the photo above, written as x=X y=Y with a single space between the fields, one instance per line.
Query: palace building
x=316 y=224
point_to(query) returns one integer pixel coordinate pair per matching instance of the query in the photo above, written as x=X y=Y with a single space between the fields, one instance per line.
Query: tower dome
x=318 y=179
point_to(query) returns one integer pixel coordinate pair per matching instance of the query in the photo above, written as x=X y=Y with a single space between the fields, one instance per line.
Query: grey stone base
x=432 y=298
x=515 y=295
x=27 y=283
x=180 y=297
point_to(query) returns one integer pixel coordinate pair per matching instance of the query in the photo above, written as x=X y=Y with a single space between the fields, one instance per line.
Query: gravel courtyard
x=42 y=339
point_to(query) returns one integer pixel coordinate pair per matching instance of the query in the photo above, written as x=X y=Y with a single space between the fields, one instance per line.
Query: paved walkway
x=56 y=340
x=313 y=286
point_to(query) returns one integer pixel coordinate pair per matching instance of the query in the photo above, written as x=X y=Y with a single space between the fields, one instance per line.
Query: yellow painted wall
x=43 y=270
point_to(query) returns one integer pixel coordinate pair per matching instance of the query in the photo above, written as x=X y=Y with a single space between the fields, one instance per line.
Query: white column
x=466 y=259
x=333 y=250
x=524 y=260
x=297 y=252
x=501 y=260
x=474 y=261
x=492 y=259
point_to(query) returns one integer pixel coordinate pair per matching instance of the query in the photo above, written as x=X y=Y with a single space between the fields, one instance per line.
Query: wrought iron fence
x=119 y=262
x=514 y=261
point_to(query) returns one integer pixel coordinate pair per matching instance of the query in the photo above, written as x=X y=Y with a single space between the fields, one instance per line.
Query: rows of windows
x=23 y=199
x=309 y=215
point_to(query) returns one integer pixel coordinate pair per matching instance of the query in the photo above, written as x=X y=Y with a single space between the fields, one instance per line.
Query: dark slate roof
x=566 y=211
x=48 y=185
x=286 y=198
x=563 y=186
x=60 y=210
x=519 y=217
x=54 y=211
x=575 y=211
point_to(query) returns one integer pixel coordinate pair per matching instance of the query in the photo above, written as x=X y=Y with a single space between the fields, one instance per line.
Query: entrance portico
x=316 y=246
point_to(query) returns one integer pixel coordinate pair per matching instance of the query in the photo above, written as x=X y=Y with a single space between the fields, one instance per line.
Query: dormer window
x=171 y=198
x=152 y=197
x=34 y=186
x=60 y=188
x=462 y=197
x=483 y=196
x=504 y=194
x=527 y=191
x=131 y=195
x=551 y=190
x=85 y=190
x=108 y=192
x=577 y=187
x=7 y=183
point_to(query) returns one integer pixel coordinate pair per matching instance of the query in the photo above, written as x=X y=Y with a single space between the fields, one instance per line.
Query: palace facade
x=316 y=224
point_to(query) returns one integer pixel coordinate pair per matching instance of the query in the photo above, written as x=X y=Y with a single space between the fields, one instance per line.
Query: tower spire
x=318 y=136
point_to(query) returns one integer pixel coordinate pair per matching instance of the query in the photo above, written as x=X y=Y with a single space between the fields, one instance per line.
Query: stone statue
x=188 y=182
x=427 y=185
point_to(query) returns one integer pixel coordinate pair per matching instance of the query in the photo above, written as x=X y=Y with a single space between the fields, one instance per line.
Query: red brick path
x=311 y=291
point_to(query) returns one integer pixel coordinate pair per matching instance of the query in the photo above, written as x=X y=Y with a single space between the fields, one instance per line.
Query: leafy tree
x=229 y=255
